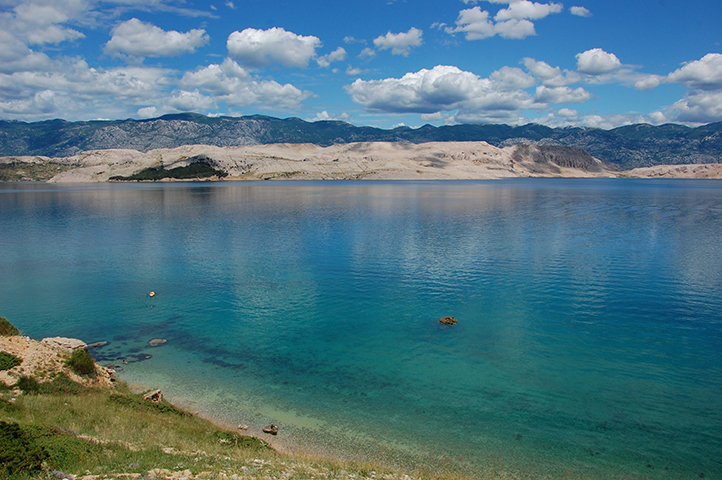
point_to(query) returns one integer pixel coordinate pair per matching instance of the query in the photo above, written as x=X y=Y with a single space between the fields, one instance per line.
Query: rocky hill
x=626 y=147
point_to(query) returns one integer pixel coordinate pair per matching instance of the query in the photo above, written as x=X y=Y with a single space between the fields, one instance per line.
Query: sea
x=589 y=334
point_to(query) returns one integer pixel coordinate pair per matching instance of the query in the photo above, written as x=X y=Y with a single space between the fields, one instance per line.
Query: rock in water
x=271 y=429
x=154 y=342
x=448 y=320
x=155 y=396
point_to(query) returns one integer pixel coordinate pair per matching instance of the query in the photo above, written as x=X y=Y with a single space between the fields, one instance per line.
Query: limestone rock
x=71 y=344
x=155 y=342
x=271 y=429
x=448 y=320
x=155 y=396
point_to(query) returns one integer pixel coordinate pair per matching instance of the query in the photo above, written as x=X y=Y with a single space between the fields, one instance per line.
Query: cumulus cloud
x=337 y=55
x=443 y=88
x=477 y=24
x=367 y=53
x=648 y=82
x=259 y=48
x=529 y=10
x=580 y=12
x=548 y=75
x=232 y=84
x=325 y=116
x=40 y=22
x=703 y=74
x=511 y=22
x=510 y=78
x=134 y=37
x=400 y=43
x=596 y=61
x=698 y=107
x=557 y=95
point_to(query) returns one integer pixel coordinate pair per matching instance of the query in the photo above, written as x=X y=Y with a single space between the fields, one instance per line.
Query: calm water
x=589 y=342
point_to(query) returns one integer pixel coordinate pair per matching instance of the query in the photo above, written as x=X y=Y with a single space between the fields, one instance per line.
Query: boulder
x=71 y=344
x=271 y=429
x=154 y=396
x=448 y=320
x=154 y=342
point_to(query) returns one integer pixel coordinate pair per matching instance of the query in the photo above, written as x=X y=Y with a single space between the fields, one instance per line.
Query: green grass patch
x=82 y=363
x=8 y=361
x=137 y=402
x=19 y=452
x=17 y=171
x=193 y=171
x=7 y=329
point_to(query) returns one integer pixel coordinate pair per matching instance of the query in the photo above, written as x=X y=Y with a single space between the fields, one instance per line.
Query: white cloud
x=259 y=48
x=698 y=107
x=596 y=61
x=524 y=9
x=230 y=5
x=443 y=88
x=648 y=83
x=550 y=76
x=337 y=55
x=353 y=71
x=567 y=113
x=324 y=116
x=134 y=37
x=477 y=25
x=400 y=43
x=367 y=53
x=232 y=84
x=147 y=112
x=556 y=95
x=580 y=12
x=510 y=78
x=703 y=74
x=350 y=40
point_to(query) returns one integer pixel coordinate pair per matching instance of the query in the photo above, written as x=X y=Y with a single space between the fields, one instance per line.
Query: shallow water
x=590 y=313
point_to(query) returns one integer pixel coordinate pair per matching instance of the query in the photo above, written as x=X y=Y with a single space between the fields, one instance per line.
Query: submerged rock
x=155 y=342
x=271 y=429
x=102 y=343
x=448 y=320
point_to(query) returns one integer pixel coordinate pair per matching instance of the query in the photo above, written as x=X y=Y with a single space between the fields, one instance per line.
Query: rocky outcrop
x=271 y=429
x=155 y=396
x=448 y=321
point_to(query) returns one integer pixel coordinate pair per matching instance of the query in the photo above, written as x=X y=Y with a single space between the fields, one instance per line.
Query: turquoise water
x=589 y=342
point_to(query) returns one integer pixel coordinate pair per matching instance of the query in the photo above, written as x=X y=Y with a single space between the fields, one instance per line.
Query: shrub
x=8 y=361
x=28 y=385
x=18 y=451
x=82 y=363
x=7 y=329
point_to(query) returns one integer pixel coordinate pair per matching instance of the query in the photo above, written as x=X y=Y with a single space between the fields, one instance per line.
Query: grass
x=86 y=430
x=7 y=329
x=16 y=171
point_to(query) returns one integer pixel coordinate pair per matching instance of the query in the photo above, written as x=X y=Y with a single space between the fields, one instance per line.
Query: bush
x=82 y=363
x=18 y=451
x=8 y=361
x=28 y=385
x=7 y=329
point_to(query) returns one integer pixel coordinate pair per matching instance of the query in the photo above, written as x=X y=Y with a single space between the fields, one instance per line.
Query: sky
x=383 y=63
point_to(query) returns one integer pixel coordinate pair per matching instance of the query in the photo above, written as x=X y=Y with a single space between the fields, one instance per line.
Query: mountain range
x=627 y=147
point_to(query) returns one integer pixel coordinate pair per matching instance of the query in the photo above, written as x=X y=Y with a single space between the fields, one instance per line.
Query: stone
x=71 y=344
x=271 y=429
x=448 y=320
x=97 y=344
x=154 y=396
x=155 y=342
x=242 y=427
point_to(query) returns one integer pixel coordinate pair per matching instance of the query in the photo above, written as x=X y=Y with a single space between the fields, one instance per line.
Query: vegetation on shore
x=18 y=171
x=6 y=328
x=193 y=171
x=53 y=427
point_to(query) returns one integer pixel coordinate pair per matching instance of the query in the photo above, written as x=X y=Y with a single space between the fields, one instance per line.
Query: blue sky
x=596 y=63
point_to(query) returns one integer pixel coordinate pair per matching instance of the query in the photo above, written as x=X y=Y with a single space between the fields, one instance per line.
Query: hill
x=626 y=147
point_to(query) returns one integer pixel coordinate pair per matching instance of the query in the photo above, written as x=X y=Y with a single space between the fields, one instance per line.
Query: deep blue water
x=589 y=342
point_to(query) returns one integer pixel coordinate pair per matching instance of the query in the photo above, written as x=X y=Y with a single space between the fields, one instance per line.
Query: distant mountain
x=627 y=147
